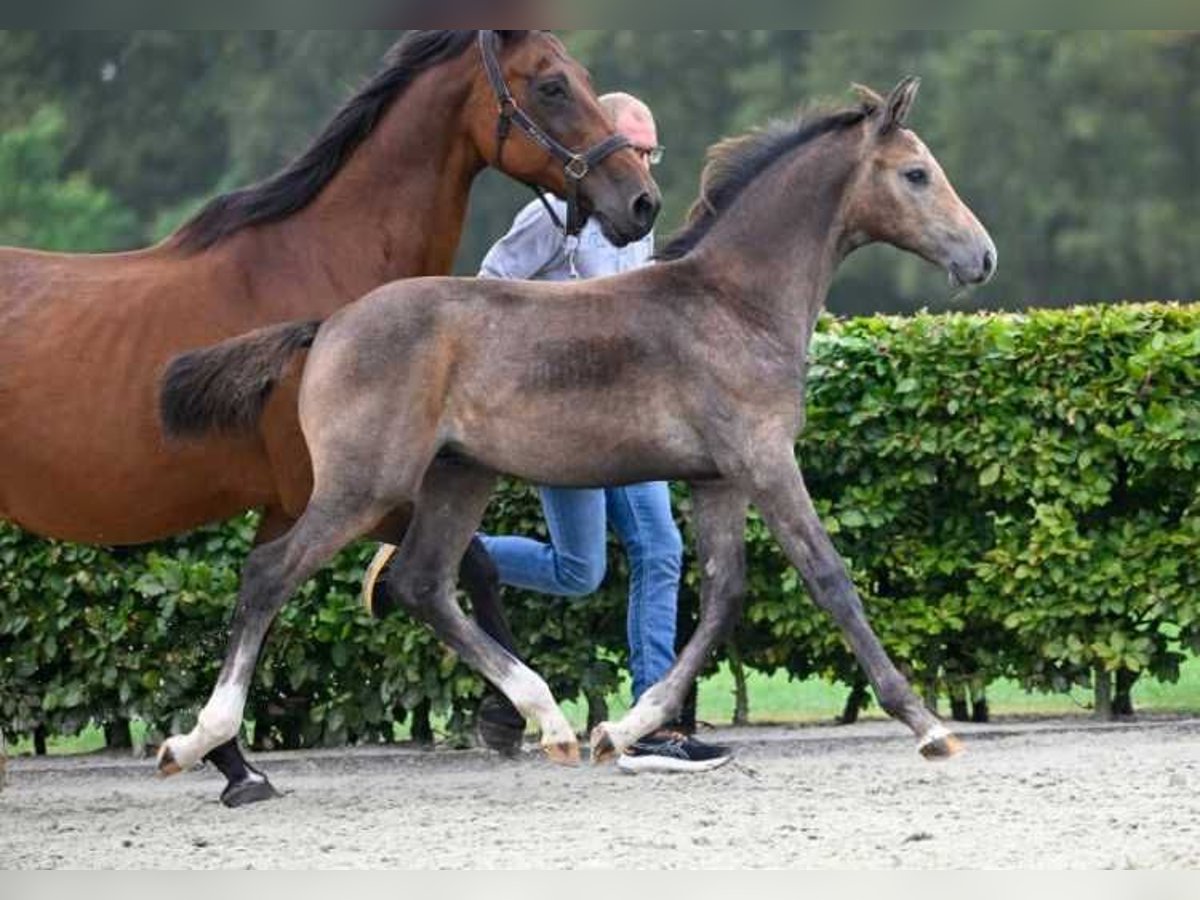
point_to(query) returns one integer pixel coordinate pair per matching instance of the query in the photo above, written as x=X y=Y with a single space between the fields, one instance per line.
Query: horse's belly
x=565 y=458
x=106 y=486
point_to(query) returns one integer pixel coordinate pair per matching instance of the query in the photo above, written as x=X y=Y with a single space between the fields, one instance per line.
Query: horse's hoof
x=565 y=754
x=249 y=792
x=375 y=598
x=942 y=748
x=501 y=728
x=604 y=749
x=168 y=767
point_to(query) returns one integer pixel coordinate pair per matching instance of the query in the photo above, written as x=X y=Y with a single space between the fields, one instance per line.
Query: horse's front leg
x=720 y=519
x=783 y=499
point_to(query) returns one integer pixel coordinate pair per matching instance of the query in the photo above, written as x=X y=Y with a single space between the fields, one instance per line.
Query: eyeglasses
x=652 y=155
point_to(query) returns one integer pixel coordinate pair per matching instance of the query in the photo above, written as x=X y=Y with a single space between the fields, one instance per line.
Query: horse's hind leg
x=720 y=517
x=452 y=502
x=500 y=725
x=271 y=575
x=246 y=785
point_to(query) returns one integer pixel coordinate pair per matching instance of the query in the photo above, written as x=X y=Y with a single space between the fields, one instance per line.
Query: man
x=574 y=563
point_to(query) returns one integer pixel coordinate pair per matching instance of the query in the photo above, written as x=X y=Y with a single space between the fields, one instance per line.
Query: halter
x=576 y=166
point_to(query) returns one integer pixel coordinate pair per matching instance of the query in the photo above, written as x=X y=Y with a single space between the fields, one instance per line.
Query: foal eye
x=917 y=177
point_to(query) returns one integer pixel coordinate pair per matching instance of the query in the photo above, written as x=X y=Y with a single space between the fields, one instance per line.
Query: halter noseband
x=576 y=166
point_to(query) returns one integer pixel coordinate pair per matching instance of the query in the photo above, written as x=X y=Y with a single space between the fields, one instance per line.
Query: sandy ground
x=1059 y=794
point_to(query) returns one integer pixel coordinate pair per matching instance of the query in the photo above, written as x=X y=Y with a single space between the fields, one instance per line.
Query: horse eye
x=553 y=90
x=917 y=177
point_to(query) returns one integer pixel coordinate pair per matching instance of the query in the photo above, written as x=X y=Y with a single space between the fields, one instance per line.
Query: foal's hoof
x=942 y=747
x=604 y=748
x=246 y=793
x=564 y=754
x=168 y=766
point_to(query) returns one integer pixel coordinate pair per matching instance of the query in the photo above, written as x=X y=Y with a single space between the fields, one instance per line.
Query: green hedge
x=1017 y=496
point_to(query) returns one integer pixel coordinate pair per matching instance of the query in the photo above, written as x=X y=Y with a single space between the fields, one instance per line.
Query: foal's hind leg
x=246 y=785
x=452 y=502
x=501 y=727
x=720 y=517
x=271 y=575
x=783 y=499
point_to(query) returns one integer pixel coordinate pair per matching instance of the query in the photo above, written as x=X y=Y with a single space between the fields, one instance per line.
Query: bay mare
x=381 y=195
x=418 y=396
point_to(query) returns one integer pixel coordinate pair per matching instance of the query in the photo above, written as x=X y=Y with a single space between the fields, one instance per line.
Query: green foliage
x=1077 y=148
x=44 y=208
x=1018 y=496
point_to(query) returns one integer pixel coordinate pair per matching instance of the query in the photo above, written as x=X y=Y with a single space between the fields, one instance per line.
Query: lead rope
x=571 y=242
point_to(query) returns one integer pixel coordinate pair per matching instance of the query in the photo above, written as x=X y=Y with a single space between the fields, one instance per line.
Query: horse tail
x=226 y=388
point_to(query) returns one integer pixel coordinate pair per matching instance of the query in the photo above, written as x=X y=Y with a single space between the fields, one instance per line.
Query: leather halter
x=576 y=166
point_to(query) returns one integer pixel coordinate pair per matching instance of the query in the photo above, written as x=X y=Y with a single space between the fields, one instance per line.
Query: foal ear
x=872 y=101
x=899 y=105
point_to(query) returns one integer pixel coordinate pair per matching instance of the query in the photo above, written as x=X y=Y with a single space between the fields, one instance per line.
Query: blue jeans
x=575 y=562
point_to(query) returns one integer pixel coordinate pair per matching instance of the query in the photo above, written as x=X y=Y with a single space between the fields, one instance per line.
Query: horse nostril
x=989 y=264
x=645 y=210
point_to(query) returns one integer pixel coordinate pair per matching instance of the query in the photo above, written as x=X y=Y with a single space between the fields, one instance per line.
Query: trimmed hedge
x=1017 y=496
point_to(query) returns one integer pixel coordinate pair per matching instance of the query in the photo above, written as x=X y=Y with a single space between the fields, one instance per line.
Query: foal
x=416 y=397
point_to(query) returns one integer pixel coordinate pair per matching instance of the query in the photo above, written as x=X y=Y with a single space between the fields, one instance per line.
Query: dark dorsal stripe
x=293 y=189
x=737 y=163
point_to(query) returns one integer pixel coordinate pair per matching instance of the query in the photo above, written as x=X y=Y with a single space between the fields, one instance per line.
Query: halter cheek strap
x=576 y=166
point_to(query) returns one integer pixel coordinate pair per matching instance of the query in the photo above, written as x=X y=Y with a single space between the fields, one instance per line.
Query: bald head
x=632 y=118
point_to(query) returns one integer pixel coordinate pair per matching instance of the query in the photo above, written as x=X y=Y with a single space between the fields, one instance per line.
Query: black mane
x=290 y=191
x=734 y=164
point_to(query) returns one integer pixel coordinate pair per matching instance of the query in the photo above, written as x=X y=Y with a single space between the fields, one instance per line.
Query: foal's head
x=901 y=196
x=557 y=94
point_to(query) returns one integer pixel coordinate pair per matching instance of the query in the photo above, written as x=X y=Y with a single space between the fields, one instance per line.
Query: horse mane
x=298 y=185
x=736 y=163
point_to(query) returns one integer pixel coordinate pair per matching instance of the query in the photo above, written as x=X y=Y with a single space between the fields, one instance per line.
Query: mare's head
x=902 y=196
x=556 y=93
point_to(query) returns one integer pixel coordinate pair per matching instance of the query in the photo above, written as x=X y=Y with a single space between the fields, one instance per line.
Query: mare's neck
x=397 y=207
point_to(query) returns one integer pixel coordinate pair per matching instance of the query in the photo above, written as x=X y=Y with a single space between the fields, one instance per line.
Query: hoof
x=375 y=598
x=248 y=793
x=604 y=750
x=501 y=728
x=167 y=765
x=565 y=754
x=502 y=739
x=943 y=748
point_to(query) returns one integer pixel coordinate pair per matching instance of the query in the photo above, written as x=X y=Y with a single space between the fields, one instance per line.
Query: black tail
x=226 y=388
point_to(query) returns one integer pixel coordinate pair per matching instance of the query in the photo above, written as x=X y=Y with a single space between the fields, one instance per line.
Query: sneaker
x=668 y=751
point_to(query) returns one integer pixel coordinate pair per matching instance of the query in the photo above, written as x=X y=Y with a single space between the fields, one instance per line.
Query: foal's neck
x=397 y=208
x=780 y=245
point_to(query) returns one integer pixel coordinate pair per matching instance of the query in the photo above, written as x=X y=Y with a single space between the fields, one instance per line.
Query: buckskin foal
x=415 y=398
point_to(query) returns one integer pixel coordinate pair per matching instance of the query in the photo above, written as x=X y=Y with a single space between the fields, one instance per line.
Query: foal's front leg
x=783 y=499
x=720 y=518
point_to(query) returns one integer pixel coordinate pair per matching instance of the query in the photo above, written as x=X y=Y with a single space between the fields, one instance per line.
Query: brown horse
x=381 y=195
x=419 y=395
